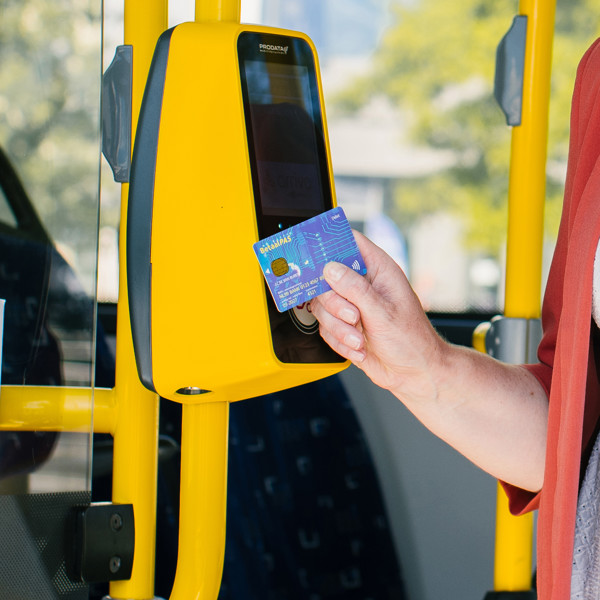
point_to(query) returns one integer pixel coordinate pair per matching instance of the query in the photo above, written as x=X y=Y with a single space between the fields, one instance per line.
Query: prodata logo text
x=271 y=49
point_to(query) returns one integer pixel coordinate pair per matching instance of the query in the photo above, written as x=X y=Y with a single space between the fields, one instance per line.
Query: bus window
x=49 y=140
x=420 y=149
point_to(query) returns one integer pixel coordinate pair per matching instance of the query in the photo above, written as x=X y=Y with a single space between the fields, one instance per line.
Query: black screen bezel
x=299 y=53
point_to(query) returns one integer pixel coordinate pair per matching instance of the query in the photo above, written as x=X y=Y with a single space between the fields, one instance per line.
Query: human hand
x=377 y=322
x=493 y=413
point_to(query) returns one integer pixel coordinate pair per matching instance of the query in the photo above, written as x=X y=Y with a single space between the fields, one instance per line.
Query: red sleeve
x=580 y=164
x=522 y=501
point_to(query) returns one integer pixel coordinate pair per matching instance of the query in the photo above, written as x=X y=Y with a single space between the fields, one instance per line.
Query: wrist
x=424 y=384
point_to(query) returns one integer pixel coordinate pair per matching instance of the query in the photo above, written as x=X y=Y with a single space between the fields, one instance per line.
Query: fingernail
x=353 y=341
x=358 y=357
x=348 y=315
x=333 y=271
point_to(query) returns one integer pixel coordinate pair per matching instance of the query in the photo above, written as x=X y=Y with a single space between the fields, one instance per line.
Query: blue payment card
x=292 y=260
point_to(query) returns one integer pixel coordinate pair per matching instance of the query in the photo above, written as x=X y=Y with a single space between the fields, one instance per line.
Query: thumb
x=350 y=285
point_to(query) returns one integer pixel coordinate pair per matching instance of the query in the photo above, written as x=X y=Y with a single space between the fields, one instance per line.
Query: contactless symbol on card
x=292 y=261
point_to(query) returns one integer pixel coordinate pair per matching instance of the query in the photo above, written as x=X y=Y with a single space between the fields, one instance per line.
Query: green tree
x=437 y=65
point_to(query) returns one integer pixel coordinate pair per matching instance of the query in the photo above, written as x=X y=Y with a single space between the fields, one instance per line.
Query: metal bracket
x=104 y=543
x=116 y=113
x=514 y=340
x=510 y=66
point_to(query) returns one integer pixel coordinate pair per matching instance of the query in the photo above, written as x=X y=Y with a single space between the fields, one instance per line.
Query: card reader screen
x=285 y=143
x=284 y=125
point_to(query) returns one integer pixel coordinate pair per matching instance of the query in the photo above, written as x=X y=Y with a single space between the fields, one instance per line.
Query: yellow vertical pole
x=203 y=503
x=514 y=535
x=136 y=431
x=218 y=10
x=204 y=444
x=527 y=183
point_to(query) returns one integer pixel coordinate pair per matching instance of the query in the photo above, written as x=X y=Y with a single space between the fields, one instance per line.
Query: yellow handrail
x=136 y=431
x=527 y=183
x=218 y=10
x=38 y=408
x=514 y=535
x=204 y=443
x=203 y=503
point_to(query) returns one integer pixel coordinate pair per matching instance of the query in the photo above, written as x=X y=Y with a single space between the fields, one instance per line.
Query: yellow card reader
x=231 y=147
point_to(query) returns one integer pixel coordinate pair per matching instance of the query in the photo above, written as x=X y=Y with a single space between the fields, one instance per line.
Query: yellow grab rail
x=527 y=182
x=136 y=433
x=218 y=10
x=203 y=503
x=33 y=408
x=514 y=535
x=204 y=444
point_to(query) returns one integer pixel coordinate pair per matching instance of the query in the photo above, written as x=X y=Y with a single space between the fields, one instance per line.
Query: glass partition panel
x=49 y=163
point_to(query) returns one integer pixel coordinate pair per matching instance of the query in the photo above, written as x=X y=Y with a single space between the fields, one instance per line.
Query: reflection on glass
x=49 y=157
x=49 y=161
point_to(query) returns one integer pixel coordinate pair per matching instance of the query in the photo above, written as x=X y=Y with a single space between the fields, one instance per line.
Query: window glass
x=49 y=141
x=420 y=149
x=49 y=179
x=49 y=175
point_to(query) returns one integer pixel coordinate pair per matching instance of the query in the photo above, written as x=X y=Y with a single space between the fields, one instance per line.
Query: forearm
x=493 y=413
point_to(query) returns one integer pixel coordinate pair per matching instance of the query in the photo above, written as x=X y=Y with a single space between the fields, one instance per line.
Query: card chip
x=280 y=267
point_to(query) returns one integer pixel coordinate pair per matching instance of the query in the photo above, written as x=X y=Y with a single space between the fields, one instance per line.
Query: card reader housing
x=224 y=155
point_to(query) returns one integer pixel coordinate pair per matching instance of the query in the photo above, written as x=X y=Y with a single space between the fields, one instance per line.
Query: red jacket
x=567 y=367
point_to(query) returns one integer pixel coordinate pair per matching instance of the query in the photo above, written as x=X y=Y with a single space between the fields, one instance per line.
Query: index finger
x=337 y=306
